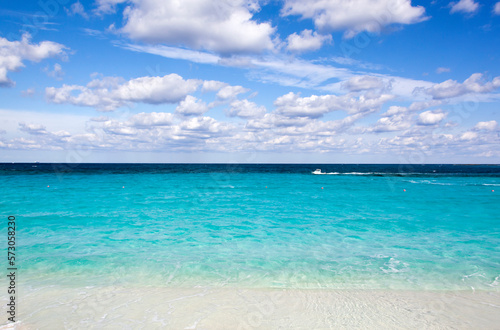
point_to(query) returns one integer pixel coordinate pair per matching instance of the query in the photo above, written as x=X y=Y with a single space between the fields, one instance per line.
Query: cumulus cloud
x=496 y=8
x=474 y=84
x=170 y=88
x=467 y=136
x=44 y=139
x=33 y=129
x=464 y=6
x=204 y=125
x=118 y=128
x=396 y=118
x=147 y=120
x=13 y=53
x=230 y=92
x=191 y=106
x=212 y=85
x=355 y=16
x=486 y=125
x=399 y=118
x=246 y=109
x=292 y=71
x=431 y=117
x=422 y=105
x=315 y=106
x=110 y=93
x=273 y=120
x=167 y=132
x=396 y=122
x=224 y=26
x=306 y=41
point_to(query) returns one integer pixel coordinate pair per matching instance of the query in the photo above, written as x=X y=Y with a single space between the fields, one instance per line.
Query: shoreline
x=112 y=307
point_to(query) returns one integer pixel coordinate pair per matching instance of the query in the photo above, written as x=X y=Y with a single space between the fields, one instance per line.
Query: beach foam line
x=242 y=308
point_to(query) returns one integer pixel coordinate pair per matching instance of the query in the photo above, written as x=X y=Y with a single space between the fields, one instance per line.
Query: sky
x=249 y=81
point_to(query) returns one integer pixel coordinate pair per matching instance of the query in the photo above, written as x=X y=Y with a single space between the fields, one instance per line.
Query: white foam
x=395 y=266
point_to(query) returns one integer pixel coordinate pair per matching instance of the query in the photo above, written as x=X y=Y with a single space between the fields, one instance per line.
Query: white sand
x=231 y=308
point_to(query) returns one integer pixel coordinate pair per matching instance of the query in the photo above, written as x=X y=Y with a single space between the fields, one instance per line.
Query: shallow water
x=255 y=226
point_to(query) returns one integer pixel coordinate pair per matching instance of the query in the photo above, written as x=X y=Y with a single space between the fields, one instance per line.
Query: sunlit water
x=263 y=226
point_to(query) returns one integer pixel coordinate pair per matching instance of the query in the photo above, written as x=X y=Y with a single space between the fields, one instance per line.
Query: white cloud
x=345 y=60
x=294 y=72
x=107 y=6
x=431 y=117
x=204 y=125
x=464 y=6
x=246 y=109
x=177 y=53
x=166 y=132
x=191 y=106
x=486 y=125
x=306 y=41
x=110 y=93
x=422 y=105
x=355 y=16
x=34 y=129
x=212 y=85
x=170 y=88
x=230 y=92
x=273 y=120
x=56 y=73
x=13 y=53
x=496 y=8
x=474 y=84
x=396 y=122
x=396 y=118
x=118 y=128
x=28 y=93
x=467 y=136
x=442 y=70
x=223 y=26
x=147 y=120
x=395 y=110
x=292 y=105
x=360 y=83
x=77 y=9
x=100 y=119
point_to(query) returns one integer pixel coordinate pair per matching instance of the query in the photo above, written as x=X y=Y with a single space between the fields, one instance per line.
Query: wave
x=432 y=182
x=372 y=173
x=413 y=175
x=452 y=184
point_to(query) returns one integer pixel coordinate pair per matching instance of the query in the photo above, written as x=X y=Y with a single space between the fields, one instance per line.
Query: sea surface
x=411 y=227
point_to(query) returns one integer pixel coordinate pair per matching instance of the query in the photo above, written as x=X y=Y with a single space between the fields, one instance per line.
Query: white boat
x=318 y=171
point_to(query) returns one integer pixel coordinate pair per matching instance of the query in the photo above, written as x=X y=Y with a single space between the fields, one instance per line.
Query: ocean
x=415 y=227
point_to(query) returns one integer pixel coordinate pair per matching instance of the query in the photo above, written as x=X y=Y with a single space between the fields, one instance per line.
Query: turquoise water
x=256 y=225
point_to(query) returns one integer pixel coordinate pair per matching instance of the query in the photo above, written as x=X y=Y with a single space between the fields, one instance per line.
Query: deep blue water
x=254 y=225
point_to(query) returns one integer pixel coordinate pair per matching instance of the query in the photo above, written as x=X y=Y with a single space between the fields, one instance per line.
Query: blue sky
x=303 y=81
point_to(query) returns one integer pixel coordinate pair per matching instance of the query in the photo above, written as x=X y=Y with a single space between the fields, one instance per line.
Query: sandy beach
x=232 y=308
